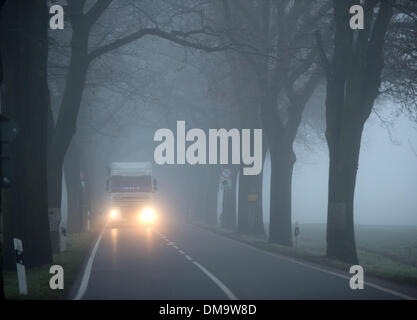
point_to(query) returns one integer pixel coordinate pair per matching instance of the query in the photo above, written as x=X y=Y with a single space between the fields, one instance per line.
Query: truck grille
x=120 y=198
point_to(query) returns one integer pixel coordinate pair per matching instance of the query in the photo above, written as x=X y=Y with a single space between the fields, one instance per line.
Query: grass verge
x=374 y=263
x=38 y=278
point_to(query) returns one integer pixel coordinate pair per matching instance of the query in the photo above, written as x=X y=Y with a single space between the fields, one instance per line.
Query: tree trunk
x=66 y=121
x=344 y=159
x=72 y=177
x=353 y=82
x=282 y=165
x=24 y=53
x=250 y=217
x=1 y=210
x=212 y=192
x=54 y=178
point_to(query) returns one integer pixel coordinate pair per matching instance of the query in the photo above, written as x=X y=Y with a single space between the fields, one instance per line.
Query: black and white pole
x=20 y=265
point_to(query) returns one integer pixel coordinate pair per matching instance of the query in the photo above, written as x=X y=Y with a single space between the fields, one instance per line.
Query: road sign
x=226 y=178
x=227 y=173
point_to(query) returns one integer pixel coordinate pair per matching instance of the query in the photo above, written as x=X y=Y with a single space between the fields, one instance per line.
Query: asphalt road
x=182 y=261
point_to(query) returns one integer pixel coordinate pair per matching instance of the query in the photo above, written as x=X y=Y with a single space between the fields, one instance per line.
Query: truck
x=131 y=187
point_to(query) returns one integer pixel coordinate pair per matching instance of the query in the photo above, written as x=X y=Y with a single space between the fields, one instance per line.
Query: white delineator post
x=88 y=221
x=20 y=266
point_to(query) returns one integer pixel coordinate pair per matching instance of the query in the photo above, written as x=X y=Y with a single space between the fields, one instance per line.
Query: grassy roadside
x=71 y=260
x=378 y=264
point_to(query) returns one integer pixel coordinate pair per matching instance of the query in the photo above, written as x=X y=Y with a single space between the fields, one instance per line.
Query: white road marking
x=310 y=266
x=87 y=270
x=220 y=284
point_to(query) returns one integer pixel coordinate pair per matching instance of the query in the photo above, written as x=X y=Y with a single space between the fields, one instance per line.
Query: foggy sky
x=386 y=187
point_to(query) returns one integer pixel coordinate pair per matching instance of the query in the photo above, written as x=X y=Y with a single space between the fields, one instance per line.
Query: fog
x=208 y=150
x=387 y=173
x=386 y=184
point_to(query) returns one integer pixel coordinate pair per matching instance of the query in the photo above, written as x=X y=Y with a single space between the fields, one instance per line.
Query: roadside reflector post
x=88 y=221
x=297 y=236
x=20 y=266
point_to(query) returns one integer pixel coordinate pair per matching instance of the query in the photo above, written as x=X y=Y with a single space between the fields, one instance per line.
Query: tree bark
x=25 y=97
x=2 y=297
x=343 y=167
x=72 y=170
x=282 y=165
x=66 y=121
x=250 y=215
x=353 y=81
x=212 y=192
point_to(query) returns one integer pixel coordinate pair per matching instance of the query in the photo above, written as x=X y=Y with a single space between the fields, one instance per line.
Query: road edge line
x=220 y=284
x=87 y=270
x=307 y=264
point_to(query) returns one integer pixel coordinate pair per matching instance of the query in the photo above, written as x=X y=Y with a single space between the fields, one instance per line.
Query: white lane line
x=310 y=266
x=220 y=284
x=87 y=270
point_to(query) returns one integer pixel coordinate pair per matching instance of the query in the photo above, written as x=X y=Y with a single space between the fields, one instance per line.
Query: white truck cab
x=131 y=187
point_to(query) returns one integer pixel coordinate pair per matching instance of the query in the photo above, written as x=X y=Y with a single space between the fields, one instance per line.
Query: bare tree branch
x=178 y=37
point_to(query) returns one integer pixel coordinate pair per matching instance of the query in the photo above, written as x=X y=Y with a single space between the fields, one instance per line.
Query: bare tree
x=353 y=82
x=83 y=55
x=399 y=77
x=283 y=64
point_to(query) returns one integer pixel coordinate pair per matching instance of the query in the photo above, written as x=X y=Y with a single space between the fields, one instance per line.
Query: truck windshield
x=131 y=184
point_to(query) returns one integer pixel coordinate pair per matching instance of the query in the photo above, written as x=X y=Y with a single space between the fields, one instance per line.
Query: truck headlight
x=114 y=214
x=147 y=216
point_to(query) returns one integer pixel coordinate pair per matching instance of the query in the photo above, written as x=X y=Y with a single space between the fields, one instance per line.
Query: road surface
x=183 y=261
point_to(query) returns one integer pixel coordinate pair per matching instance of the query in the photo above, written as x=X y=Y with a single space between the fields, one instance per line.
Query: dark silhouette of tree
x=282 y=58
x=1 y=210
x=353 y=82
x=82 y=56
x=25 y=99
x=399 y=77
